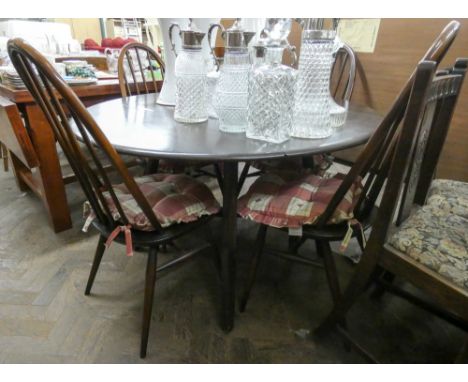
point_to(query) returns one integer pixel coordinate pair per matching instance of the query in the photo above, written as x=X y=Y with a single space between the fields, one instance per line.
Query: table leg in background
x=52 y=187
x=229 y=240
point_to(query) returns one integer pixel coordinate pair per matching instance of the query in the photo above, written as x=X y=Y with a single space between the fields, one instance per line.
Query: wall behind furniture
x=400 y=45
x=84 y=28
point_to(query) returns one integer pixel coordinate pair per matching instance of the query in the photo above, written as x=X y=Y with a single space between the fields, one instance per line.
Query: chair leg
x=356 y=286
x=96 y=262
x=4 y=155
x=148 y=301
x=463 y=354
x=243 y=176
x=151 y=166
x=360 y=241
x=258 y=249
x=324 y=251
x=379 y=290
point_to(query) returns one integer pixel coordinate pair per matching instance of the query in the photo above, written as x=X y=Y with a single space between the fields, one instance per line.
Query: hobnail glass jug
x=190 y=73
x=271 y=86
x=230 y=100
x=312 y=96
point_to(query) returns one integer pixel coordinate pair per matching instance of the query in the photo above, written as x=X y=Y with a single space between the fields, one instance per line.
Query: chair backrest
x=343 y=75
x=136 y=60
x=430 y=108
x=55 y=97
x=437 y=138
x=374 y=159
x=440 y=105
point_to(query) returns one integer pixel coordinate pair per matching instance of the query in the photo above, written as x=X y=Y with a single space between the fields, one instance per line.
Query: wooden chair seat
x=436 y=239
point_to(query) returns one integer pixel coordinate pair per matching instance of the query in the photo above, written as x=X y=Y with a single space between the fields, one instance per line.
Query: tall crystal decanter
x=312 y=95
x=190 y=73
x=271 y=86
x=230 y=100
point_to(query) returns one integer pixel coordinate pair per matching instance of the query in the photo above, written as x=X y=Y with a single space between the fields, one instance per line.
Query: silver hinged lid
x=313 y=29
x=235 y=36
x=191 y=37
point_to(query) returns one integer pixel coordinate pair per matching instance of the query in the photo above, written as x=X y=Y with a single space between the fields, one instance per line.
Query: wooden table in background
x=32 y=145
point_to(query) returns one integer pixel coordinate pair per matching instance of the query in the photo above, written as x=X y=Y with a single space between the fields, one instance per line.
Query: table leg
x=229 y=240
x=21 y=171
x=50 y=174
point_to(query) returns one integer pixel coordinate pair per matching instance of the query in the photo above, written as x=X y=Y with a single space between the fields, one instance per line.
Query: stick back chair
x=431 y=106
x=135 y=60
x=113 y=217
x=436 y=52
x=343 y=75
x=372 y=165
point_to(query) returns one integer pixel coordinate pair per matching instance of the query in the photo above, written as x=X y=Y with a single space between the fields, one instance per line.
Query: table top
x=137 y=125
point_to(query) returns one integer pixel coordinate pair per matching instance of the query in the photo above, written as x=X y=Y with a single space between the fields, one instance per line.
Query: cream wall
x=84 y=28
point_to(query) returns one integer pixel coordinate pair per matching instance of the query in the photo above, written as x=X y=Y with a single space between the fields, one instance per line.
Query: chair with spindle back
x=146 y=212
x=436 y=52
x=136 y=61
x=425 y=244
x=343 y=75
x=372 y=164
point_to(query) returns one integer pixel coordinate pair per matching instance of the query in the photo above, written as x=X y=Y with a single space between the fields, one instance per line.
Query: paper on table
x=360 y=34
x=101 y=75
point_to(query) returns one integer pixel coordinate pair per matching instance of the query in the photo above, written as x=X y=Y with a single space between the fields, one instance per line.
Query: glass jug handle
x=170 y=37
x=210 y=31
x=293 y=54
x=300 y=21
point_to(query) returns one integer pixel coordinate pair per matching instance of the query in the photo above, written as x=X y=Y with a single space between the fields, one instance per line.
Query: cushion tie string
x=128 y=237
x=353 y=224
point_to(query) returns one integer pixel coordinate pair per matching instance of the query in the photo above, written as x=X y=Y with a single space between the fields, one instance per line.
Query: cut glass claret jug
x=231 y=94
x=190 y=73
x=312 y=96
x=271 y=85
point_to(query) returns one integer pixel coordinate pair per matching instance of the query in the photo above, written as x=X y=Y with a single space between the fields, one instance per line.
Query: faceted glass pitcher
x=190 y=72
x=230 y=101
x=312 y=98
x=271 y=98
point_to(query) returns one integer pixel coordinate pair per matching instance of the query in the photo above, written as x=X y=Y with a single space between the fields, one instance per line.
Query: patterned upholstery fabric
x=437 y=239
x=450 y=196
x=174 y=198
x=283 y=200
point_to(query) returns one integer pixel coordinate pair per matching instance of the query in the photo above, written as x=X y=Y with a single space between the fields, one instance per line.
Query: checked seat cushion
x=279 y=200
x=175 y=198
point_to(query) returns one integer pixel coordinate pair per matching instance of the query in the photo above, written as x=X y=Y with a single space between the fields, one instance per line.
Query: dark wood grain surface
x=137 y=125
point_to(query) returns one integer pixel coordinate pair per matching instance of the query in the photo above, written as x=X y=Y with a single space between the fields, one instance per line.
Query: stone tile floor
x=45 y=317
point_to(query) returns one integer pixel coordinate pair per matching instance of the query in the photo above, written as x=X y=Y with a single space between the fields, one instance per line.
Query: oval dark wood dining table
x=137 y=125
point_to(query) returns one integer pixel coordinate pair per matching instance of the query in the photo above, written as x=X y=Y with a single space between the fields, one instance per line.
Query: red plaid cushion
x=277 y=201
x=175 y=198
